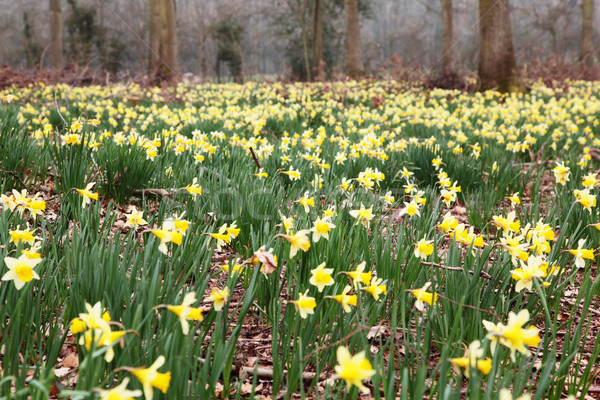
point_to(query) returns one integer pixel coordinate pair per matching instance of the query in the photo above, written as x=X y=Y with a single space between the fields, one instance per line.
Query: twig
x=156 y=192
x=14 y=175
x=482 y=273
x=469 y=306
x=254 y=158
x=58 y=110
x=571 y=303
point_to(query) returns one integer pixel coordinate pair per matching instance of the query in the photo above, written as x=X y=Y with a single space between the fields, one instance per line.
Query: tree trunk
x=497 y=63
x=354 y=64
x=154 y=47
x=56 y=44
x=168 y=62
x=447 y=35
x=318 y=64
x=304 y=38
x=587 y=33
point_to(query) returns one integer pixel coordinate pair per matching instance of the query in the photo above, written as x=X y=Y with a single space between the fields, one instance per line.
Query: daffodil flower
x=87 y=194
x=376 y=288
x=582 y=254
x=119 y=392
x=423 y=296
x=298 y=241
x=135 y=219
x=424 y=248
x=219 y=297
x=345 y=299
x=194 y=189
x=305 y=304
x=165 y=237
x=185 y=311
x=363 y=215
x=353 y=369
x=534 y=268
x=150 y=377
x=358 y=275
x=321 y=277
x=21 y=270
x=321 y=228
x=513 y=335
x=473 y=358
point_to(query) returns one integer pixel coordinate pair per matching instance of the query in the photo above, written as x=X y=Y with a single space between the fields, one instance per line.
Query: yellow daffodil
x=359 y=275
x=185 y=311
x=423 y=249
x=561 y=173
x=194 y=189
x=321 y=277
x=306 y=202
x=165 y=237
x=353 y=369
x=423 y=296
x=584 y=198
x=376 y=288
x=298 y=241
x=321 y=228
x=24 y=235
x=119 y=392
x=473 y=358
x=513 y=335
x=219 y=297
x=448 y=223
x=305 y=304
x=345 y=299
x=534 y=268
x=508 y=223
x=363 y=215
x=514 y=199
x=135 y=219
x=582 y=254
x=20 y=270
x=151 y=378
x=87 y=194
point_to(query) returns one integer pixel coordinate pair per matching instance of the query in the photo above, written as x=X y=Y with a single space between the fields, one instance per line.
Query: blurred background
x=283 y=39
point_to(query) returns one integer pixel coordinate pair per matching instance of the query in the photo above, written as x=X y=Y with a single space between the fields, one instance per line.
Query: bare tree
x=154 y=31
x=497 y=62
x=354 y=62
x=447 y=35
x=56 y=34
x=318 y=41
x=587 y=33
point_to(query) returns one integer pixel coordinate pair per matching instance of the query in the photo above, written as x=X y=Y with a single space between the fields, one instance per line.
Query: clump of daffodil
x=298 y=241
x=305 y=304
x=87 y=194
x=423 y=296
x=561 y=173
x=581 y=254
x=185 y=311
x=513 y=335
x=473 y=359
x=353 y=369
